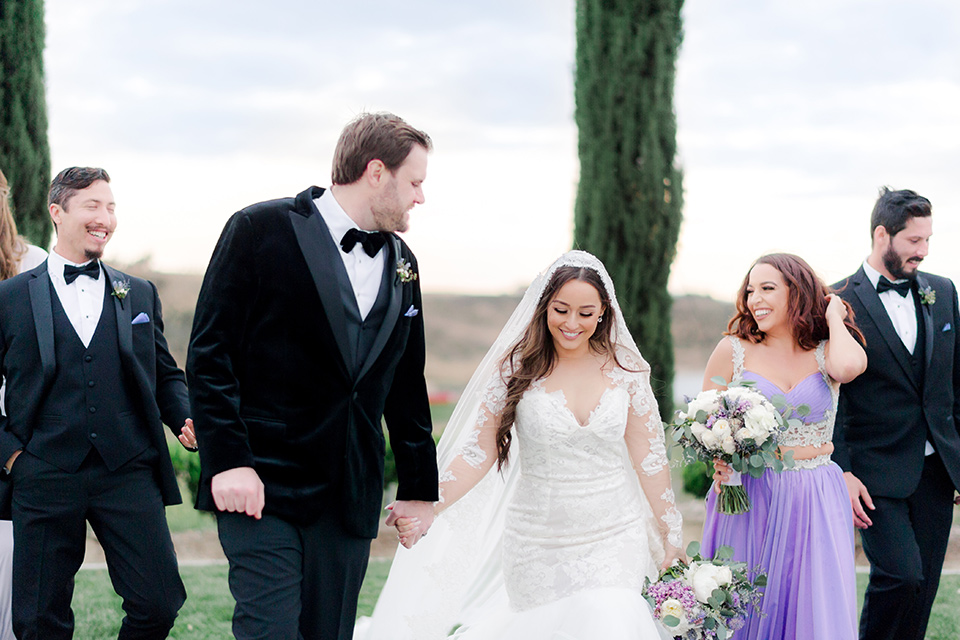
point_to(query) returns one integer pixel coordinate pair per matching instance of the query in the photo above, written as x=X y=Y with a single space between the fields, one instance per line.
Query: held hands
x=239 y=490
x=412 y=518
x=188 y=437
x=858 y=492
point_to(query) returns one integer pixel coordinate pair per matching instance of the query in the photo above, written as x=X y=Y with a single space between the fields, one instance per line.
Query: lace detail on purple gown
x=817 y=391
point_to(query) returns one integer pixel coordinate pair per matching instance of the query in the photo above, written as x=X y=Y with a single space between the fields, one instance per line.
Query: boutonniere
x=927 y=295
x=405 y=272
x=120 y=290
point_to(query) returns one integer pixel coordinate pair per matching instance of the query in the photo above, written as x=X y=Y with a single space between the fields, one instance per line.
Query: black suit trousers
x=906 y=545
x=290 y=581
x=125 y=510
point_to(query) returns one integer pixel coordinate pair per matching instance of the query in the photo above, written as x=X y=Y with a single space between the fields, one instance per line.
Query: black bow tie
x=91 y=270
x=372 y=242
x=902 y=287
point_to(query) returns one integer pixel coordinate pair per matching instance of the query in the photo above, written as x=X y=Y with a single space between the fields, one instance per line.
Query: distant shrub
x=697 y=479
x=186 y=464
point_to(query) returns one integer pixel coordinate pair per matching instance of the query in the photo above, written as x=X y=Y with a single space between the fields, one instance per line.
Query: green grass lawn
x=209 y=606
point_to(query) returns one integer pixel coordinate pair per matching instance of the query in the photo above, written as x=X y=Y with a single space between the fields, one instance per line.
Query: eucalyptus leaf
x=670 y=621
x=718 y=380
x=693 y=549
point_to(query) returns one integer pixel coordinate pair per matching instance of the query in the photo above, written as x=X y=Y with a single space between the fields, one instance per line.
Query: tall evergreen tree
x=628 y=207
x=24 y=151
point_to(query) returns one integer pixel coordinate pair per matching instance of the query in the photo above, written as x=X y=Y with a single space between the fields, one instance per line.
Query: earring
x=600 y=319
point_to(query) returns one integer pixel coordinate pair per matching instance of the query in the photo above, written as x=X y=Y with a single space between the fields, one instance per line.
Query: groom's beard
x=895 y=264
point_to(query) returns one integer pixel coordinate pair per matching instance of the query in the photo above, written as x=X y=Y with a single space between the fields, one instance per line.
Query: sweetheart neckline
x=778 y=387
x=566 y=407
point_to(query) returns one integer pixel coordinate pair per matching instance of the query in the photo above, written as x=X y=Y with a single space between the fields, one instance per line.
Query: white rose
x=724 y=576
x=709 y=439
x=698 y=430
x=705 y=578
x=672 y=607
x=721 y=429
x=760 y=423
x=707 y=401
x=728 y=444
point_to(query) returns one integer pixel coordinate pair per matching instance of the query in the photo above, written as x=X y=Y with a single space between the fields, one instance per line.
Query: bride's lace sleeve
x=478 y=453
x=648 y=452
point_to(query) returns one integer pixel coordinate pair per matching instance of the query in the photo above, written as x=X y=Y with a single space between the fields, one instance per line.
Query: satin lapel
x=927 y=315
x=393 y=307
x=42 y=307
x=122 y=309
x=875 y=309
x=320 y=252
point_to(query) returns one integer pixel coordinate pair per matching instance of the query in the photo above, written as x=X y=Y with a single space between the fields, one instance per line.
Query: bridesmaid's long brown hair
x=534 y=355
x=806 y=304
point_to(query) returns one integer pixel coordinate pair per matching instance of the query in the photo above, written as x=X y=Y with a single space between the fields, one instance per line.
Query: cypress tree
x=628 y=207
x=24 y=151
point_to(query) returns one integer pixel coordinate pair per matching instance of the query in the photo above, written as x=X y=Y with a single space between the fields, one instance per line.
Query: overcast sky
x=791 y=115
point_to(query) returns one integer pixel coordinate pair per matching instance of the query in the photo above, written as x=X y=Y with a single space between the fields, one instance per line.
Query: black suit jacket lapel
x=927 y=315
x=871 y=301
x=122 y=311
x=42 y=307
x=393 y=308
x=320 y=254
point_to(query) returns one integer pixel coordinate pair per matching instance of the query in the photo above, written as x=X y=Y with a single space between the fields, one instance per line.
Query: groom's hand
x=239 y=490
x=858 y=492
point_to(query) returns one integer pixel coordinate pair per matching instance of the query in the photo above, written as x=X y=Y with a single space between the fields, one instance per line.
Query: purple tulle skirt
x=800 y=531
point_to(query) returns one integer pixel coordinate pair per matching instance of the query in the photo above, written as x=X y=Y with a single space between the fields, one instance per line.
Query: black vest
x=362 y=332
x=918 y=359
x=90 y=403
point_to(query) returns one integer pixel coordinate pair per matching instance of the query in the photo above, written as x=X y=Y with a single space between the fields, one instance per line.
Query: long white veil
x=453 y=576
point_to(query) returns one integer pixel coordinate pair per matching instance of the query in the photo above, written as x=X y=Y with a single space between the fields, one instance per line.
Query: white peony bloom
x=728 y=444
x=709 y=439
x=721 y=429
x=672 y=607
x=705 y=577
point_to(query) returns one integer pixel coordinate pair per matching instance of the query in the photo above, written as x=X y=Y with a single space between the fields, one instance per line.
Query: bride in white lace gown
x=558 y=543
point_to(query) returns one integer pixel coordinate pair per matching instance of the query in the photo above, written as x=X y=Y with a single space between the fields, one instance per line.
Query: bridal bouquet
x=705 y=598
x=738 y=426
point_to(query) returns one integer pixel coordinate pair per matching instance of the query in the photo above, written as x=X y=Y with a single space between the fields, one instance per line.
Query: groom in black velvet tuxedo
x=308 y=332
x=89 y=379
x=896 y=434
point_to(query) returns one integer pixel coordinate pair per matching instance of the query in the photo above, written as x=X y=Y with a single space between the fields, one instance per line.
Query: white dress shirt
x=903 y=314
x=82 y=299
x=365 y=273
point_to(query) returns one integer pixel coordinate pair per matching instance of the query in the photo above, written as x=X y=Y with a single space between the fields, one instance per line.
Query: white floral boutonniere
x=405 y=272
x=927 y=295
x=120 y=290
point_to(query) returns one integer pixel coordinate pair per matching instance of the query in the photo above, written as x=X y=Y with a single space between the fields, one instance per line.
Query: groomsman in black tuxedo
x=308 y=332
x=896 y=433
x=89 y=383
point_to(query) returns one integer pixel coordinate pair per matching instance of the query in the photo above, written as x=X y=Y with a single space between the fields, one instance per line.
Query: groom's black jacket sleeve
x=270 y=389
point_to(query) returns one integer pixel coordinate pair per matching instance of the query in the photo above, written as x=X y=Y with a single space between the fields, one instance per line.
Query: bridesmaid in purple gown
x=793 y=339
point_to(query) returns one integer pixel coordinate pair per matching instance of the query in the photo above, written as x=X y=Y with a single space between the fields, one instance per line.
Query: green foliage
x=628 y=207
x=24 y=151
x=697 y=478
x=186 y=464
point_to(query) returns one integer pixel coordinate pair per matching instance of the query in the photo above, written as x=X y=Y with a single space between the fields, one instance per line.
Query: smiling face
x=572 y=317
x=902 y=254
x=400 y=192
x=85 y=223
x=768 y=297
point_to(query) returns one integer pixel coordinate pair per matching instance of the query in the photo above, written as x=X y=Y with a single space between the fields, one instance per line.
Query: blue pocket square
x=412 y=311
x=946 y=327
x=141 y=318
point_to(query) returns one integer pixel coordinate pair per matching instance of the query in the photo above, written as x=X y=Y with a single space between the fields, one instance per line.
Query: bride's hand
x=721 y=473
x=672 y=556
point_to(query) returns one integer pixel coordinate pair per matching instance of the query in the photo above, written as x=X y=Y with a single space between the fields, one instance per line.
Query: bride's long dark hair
x=534 y=355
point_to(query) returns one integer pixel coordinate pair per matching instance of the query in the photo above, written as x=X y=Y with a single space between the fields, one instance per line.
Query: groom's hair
x=71 y=180
x=895 y=208
x=374 y=136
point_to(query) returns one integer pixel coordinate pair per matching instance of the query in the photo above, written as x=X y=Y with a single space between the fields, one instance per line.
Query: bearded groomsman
x=89 y=383
x=896 y=434
x=308 y=333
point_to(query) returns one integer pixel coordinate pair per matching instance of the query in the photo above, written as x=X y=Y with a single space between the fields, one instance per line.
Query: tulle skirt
x=799 y=530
